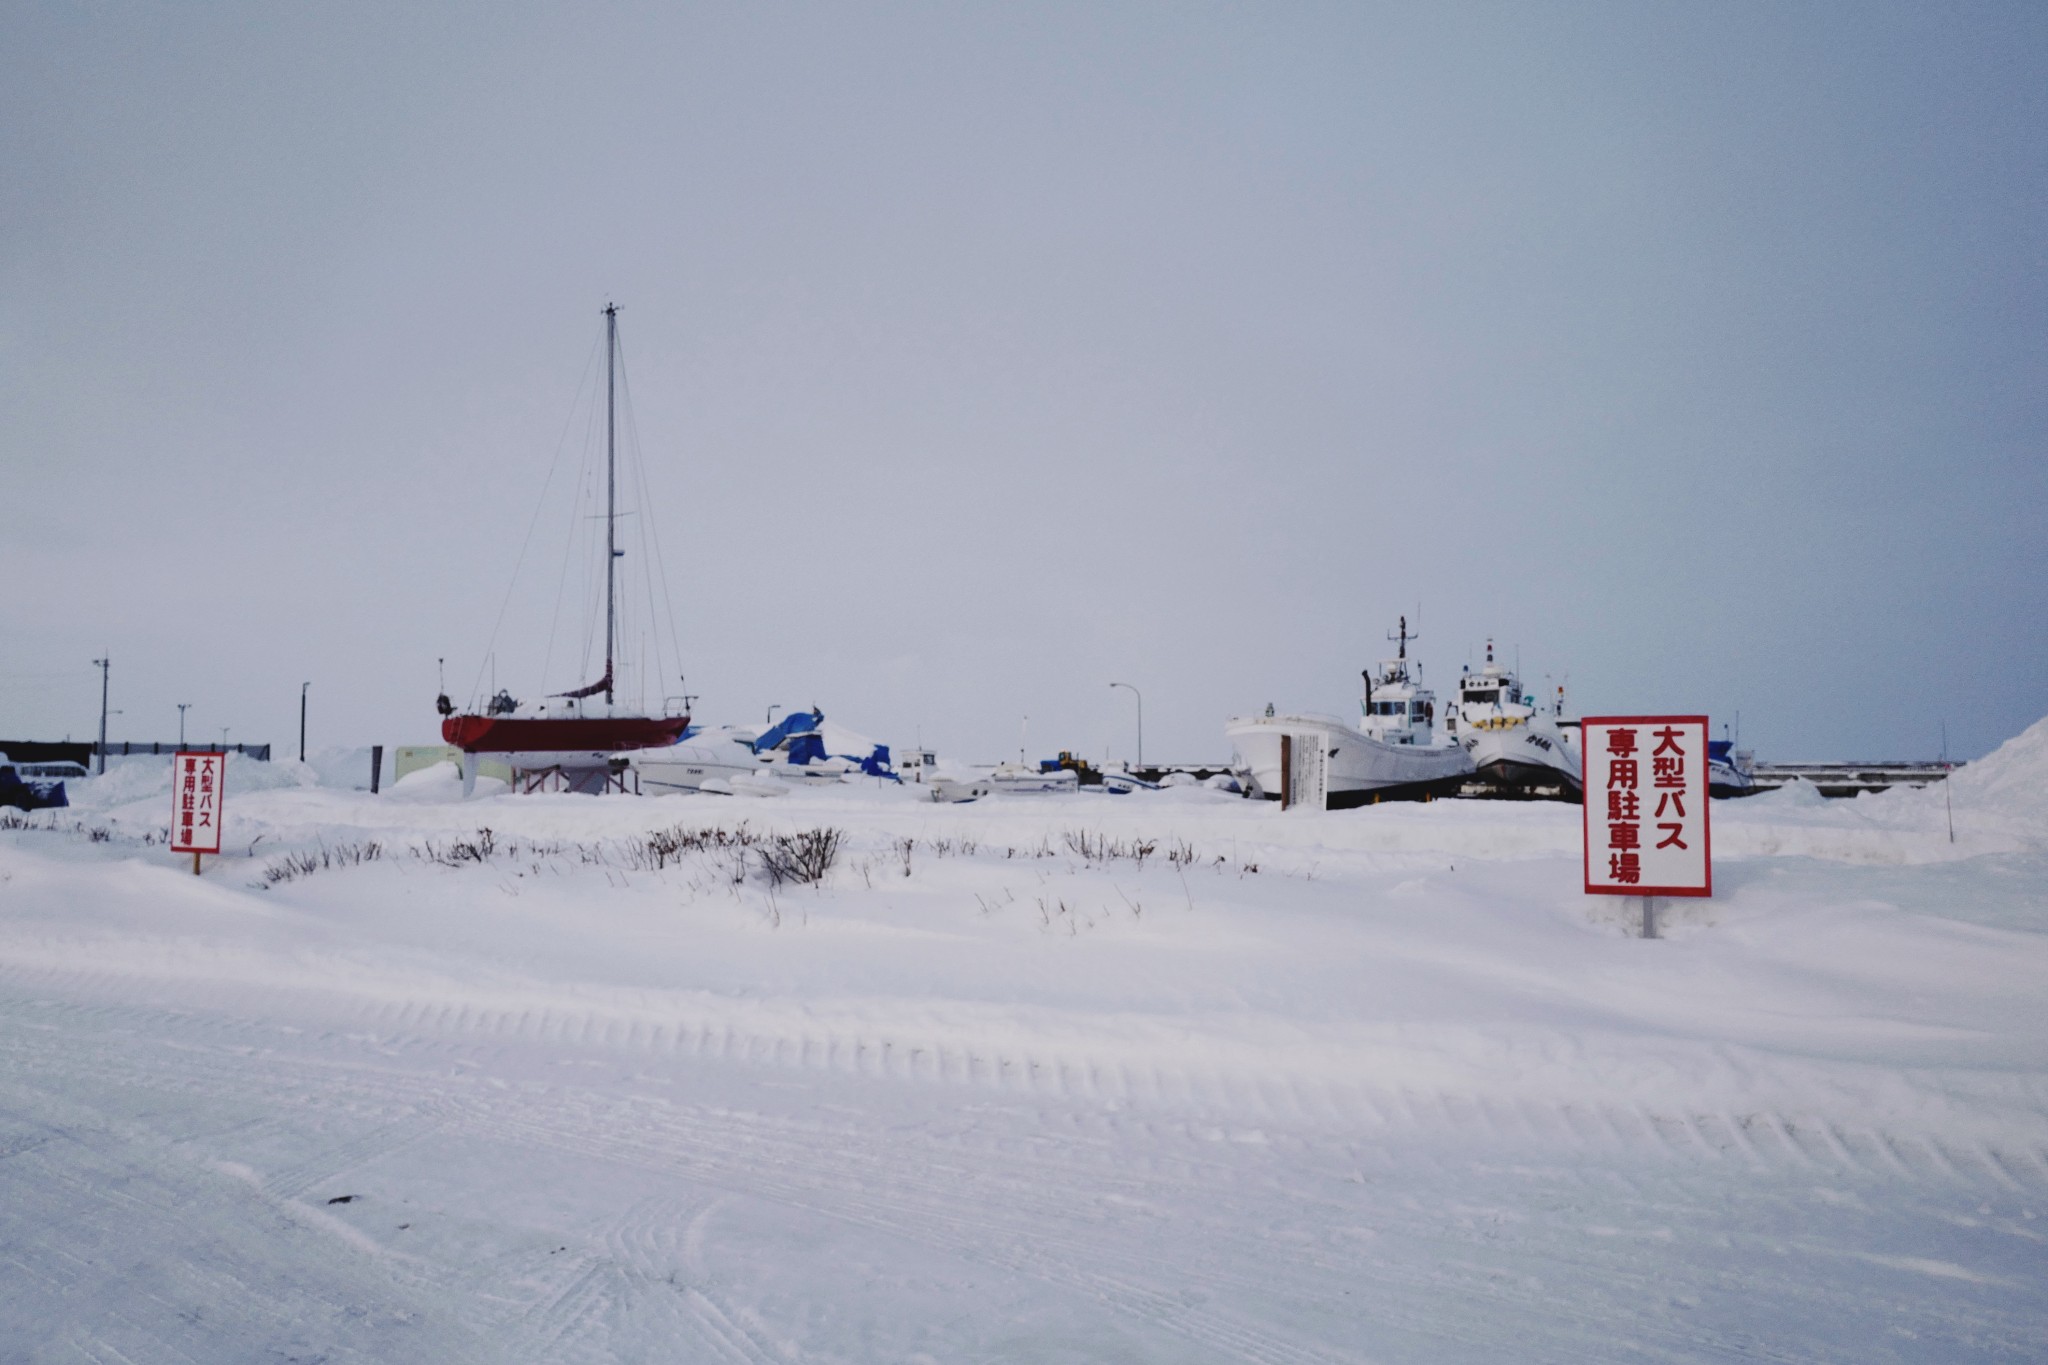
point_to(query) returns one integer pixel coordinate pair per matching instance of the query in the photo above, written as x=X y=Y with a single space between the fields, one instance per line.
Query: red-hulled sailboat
x=576 y=733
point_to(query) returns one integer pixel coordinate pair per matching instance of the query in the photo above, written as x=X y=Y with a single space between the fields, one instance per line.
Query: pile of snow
x=1998 y=802
x=2011 y=782
x=442 y=782
x=349 y=768
x=144 y=777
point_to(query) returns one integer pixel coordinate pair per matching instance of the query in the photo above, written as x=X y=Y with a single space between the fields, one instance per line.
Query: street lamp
x=181 y=722
x=223 y=739
x=103 y=665
x=302 y=720
x=771 y=714
x=1141 y=720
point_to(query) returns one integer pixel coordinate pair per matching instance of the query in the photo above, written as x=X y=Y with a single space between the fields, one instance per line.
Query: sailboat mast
x=611 y=496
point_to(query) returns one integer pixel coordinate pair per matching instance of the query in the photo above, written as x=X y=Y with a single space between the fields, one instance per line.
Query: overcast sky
x=982 y=355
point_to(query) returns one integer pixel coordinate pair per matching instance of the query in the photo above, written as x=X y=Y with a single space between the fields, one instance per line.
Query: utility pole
x=302 y=720
x=181 y=722
x=1141 y=720
x=611 y=495
x=224 y=739
x=104 y=665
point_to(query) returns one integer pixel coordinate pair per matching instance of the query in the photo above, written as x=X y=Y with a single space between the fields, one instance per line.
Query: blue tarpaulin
x=798 y=735
x=29 y=795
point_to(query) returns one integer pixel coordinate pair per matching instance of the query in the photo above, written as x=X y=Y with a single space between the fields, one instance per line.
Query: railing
x=1847 y=779
x=259 y=752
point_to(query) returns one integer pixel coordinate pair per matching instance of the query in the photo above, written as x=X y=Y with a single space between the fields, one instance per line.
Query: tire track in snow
x=343 y=1157
x=1808 y=1141
x=553 y=1325
x=1016 y=1176
x=919 y=1218
x=1801 y=1140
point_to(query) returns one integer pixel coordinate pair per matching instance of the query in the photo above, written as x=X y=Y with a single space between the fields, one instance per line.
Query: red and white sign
x=196 y=790
x=1646 y=806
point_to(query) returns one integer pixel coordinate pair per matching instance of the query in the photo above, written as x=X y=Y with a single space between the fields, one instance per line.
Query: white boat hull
x=1021 y=781
x=953 y=789
x=1007 y=780
x=1725 y=780
x=1358 y=767
x=1531 y=756
x=689 y=764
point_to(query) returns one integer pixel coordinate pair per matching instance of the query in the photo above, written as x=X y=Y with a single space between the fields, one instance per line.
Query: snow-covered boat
x=570 y=729
x=793 y=751
x=705 y=756
x=958 y=789
x=1393 y=753
x=1020 y=779
x=1005 y=779
x=1517 y=748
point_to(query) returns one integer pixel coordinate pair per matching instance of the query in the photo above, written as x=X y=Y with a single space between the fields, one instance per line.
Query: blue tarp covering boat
x=800 y=735
x=29 y=795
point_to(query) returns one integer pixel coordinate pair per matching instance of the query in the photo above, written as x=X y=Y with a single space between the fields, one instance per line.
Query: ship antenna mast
x=611 y=494
x=1404 y=637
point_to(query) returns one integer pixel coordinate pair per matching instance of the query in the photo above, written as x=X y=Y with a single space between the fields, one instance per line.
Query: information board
x=1646 y=817
x=197 y=785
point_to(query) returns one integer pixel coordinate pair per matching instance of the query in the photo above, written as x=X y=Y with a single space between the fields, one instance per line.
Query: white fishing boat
x=1517 y=747
x=1393 y=753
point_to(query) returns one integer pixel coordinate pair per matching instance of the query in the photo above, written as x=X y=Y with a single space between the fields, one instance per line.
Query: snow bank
x=440 y=784
x=143 y=777
x=2003 y=794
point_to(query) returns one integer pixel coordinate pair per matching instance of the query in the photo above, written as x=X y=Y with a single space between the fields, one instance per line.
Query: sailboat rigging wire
x=650 y=534
x=593 y=588
x=561 y=443
x=569 y=547
x=637 y=468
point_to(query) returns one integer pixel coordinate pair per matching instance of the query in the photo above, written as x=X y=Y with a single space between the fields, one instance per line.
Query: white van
x=46 y=772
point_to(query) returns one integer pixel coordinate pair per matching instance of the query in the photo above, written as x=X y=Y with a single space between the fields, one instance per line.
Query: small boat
x=1020 y=779
x=798 y=748
x=1053 y=777
x=1730 y=771
x=1394 y=753
x=792 y=751
x=1517 y=749
x=958 y=789
x=1005 y=779
x=576 y=731
x=702 y=757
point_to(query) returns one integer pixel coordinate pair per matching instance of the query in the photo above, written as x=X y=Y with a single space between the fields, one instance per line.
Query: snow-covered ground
x=1373 y=1085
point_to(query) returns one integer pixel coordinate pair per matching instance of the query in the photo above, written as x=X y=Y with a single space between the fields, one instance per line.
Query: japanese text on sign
x=196 y=792
x=1646 y=806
